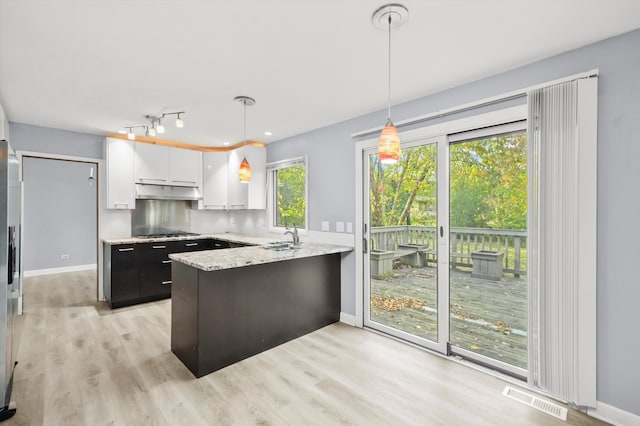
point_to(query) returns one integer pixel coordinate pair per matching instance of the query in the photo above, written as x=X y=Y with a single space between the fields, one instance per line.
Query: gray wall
x=332 y=189
x=60 y=212
x=25 y=137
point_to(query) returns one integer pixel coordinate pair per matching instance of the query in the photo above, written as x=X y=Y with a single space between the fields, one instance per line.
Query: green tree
x=291 y=198
x=488 y=185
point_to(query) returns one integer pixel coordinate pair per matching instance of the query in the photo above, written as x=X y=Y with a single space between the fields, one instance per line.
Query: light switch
x=350 y=227
x=339 y=226
x=325 y=226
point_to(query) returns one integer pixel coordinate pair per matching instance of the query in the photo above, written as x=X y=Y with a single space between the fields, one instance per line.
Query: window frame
x=272 y=169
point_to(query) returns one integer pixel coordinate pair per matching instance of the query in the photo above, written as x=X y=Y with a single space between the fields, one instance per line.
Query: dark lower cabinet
x=141 y=272
x=124 y=276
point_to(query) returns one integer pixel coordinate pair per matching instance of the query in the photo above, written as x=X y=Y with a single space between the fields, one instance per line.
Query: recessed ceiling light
x=122 y=131
x=225 y=143
x=268 y=133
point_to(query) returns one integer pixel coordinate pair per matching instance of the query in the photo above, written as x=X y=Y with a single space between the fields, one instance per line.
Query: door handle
x=441 y=232
x=159 y=247
x=166 y=282
x=166 y=261
x=365 y=244
x=191 y=244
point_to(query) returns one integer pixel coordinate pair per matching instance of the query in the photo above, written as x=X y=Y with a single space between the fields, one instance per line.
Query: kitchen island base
x=224 y=316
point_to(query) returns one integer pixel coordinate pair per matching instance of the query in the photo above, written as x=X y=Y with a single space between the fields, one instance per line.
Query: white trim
x=359 y=147
x=38 y=272
x=296 y=161
x=271 y=169
x=348 y=319
x=49 y=156
x=479 y=103
x=613 y=415
x=100 y=181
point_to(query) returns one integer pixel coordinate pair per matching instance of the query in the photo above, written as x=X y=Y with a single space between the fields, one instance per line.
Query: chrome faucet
x=294 y=235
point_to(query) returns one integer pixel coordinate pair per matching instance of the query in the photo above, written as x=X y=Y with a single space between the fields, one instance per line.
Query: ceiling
x=97 y=66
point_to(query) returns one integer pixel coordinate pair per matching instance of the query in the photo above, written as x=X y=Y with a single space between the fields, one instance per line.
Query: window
x=288 y=193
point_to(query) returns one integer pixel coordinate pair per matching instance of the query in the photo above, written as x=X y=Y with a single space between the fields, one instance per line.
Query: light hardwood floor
x=81 y=363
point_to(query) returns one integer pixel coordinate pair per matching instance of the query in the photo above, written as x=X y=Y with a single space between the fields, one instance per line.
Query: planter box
x=487 y=264
x=381 y=263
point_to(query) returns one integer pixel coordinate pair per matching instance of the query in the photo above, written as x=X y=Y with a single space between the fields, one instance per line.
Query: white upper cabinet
x=250 y=195
x=164 y=165
x=215 y=177
x=152 y=164
x=185 y=167
x=4 y=125
x=120 y=156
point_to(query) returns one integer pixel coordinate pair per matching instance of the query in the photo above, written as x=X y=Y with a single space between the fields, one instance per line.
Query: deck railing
x=462 y=242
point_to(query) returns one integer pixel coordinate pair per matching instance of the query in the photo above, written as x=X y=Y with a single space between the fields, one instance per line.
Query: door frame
x=99 y=196
x=440 y=131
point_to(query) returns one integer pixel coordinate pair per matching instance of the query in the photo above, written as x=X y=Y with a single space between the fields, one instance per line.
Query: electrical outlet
x=64 y=256
x=350 y=227
x=325 y=226
x=339 y=226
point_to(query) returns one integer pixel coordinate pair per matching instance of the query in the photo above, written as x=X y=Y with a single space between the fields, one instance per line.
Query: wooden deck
x=488 y=317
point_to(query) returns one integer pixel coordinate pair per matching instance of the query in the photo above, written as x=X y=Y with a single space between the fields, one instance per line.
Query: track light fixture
x=179 y=121
x=155 y=126
x=130 y=134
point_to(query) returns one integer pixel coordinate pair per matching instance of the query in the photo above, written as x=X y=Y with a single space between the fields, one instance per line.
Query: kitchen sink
x=279 y=246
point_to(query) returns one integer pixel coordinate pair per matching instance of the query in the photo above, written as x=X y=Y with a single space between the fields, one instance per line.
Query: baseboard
x=348 y=319
x=36 y=272
x=613 y=415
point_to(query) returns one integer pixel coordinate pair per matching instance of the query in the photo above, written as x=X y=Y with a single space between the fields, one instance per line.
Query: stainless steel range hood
x=167 y=192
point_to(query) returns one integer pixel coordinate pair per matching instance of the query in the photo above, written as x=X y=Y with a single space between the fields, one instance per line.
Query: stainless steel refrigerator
x=10 y=279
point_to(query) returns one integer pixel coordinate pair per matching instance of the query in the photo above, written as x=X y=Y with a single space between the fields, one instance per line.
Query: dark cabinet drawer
x=190 y=245
x=155 y=269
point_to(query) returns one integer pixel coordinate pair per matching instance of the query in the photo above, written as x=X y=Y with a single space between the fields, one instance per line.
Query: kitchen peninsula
x=228 y=305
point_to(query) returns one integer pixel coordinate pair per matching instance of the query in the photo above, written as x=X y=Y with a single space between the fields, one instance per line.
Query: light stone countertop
x=214 y=260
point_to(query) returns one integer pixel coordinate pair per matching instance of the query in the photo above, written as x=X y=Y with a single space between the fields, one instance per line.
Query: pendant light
x=387 y=17
x=244 y=173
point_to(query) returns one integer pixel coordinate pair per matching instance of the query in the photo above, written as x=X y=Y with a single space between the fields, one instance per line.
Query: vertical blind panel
x=554 y=282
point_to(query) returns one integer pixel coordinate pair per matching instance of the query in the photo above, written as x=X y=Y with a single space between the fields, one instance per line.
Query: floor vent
x=550 y=408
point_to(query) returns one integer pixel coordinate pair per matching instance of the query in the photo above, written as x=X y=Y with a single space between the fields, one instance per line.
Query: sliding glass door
x=402 y=295
x=488 y=250
x=445 y=242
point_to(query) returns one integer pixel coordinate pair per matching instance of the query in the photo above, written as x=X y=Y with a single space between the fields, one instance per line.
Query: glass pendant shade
x=389 y=144
x=245 y=171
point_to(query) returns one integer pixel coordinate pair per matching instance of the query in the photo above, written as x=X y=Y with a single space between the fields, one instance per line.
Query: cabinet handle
x=215 y=206
x=166 y=282
x=121 y=205
x=154 y=179
x=190 y=244
x=126 y=249
x=159 y=247
x=186 y=181
x=237 y=206
x=166 y=261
